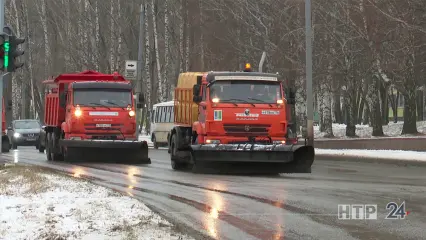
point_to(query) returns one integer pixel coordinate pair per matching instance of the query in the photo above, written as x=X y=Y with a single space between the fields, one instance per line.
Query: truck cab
x=240 y=107
x=99 y=110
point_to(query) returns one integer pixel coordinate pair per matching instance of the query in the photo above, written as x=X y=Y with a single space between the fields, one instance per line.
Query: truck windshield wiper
x=115 y=104
x=99 y=104
x=260 y=100
x=238 y=99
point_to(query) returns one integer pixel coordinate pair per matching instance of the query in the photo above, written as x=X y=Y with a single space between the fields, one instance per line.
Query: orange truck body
x=234 y=117
x=91 y=110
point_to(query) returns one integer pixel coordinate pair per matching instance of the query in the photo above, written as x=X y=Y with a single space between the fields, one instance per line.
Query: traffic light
x=12 y=48
x=4 y=45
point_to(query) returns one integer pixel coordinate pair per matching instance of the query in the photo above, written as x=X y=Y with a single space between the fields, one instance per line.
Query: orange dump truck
x=92 y=114
x=235 y=117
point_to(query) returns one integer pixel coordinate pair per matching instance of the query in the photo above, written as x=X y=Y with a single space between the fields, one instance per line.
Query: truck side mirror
x=140 y=100
x=62 y=99
x=196 y=93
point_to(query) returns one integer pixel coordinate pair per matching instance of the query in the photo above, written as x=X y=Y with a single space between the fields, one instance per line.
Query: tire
x=176 y=165
x=49 y=146
x=40 y=148
x=154 y=140
x=5 y=146
x=55 y=156
x=194 y=167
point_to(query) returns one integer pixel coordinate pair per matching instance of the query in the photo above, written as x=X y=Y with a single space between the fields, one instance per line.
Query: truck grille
x=92 y=127
x=103 y=137
x=247 y=129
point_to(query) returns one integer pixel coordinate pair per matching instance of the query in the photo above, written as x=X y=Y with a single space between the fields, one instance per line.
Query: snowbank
x=388 y=154
x=364 y=131
x=37 y=205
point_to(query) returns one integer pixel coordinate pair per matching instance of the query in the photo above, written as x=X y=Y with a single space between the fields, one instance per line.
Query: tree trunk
x=409 y=126
x=337 y=109
x=420 y=105
x=374 y=106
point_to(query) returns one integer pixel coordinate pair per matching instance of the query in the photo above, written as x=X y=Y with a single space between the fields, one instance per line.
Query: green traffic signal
x=6 y=55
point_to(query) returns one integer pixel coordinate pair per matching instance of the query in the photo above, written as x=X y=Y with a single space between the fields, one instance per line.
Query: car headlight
x=16 y=135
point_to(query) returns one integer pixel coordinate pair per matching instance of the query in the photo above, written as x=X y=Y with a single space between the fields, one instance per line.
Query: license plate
x=103 y=125
x=31 y=139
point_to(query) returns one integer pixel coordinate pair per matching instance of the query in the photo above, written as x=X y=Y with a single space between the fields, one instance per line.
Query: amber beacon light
x=247 y=68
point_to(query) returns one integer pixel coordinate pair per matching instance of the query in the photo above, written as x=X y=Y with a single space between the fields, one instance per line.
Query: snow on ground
x=388 y=154
x=40 y=205
x=364 y=131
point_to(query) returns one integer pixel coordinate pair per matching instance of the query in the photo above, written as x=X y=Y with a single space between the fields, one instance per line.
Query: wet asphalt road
x=296 y=206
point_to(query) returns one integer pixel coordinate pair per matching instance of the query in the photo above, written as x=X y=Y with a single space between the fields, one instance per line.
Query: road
x=295 y=206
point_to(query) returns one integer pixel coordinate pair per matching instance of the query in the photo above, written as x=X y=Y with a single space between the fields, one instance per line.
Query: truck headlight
x=16 y=135
x=209 y=141
x=77 y=113
x=279 y=142
x=131 y=113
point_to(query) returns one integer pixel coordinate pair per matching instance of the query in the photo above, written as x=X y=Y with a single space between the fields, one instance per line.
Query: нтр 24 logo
x=396 y=212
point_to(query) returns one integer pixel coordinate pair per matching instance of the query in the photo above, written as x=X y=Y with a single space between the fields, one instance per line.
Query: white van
x=162 y=122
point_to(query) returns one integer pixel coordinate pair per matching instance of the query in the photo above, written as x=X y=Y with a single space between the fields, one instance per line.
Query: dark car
x=24 y=133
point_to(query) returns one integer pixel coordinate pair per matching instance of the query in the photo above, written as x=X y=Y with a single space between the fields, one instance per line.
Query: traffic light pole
x=141 y=44
x=1 y=76
x=309 y=93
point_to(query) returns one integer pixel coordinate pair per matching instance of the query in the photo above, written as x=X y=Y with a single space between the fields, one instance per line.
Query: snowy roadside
x=36 y=204
x=391 y=155
x=364 y=131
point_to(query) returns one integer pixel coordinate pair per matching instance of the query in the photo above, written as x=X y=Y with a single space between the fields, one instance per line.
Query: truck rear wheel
x=154 y=140
x=176 y=164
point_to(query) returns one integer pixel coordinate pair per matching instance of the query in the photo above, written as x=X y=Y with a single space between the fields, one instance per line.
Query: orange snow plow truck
x=92 y=114
x=235 y=117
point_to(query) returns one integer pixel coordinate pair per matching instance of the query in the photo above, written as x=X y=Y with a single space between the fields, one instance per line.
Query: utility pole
x=309 y=93
x=141 y=47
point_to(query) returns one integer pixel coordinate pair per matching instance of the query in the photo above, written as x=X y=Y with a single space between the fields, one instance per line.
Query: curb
x=331 y=157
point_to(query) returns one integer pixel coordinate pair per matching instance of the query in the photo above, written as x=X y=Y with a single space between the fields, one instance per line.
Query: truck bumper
x=116 y=144
x=250 y=153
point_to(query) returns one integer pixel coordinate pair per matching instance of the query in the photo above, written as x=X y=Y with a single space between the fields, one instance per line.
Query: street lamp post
x=309 y=93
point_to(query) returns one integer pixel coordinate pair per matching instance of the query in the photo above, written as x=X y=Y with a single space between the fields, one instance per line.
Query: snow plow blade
x=117 y=151
x=287 y=158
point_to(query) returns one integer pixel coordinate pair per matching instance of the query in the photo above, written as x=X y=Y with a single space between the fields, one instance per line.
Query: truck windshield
x=102 y=97
x=245 y=91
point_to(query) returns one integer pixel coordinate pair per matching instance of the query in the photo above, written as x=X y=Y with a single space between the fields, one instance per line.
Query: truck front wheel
x=176 y=165
x=56 y=149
